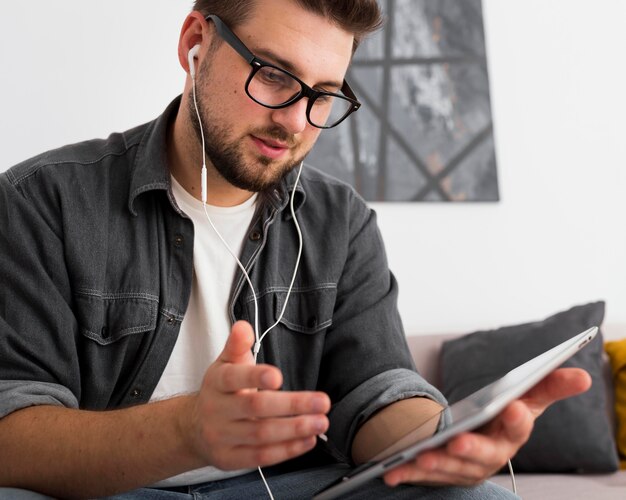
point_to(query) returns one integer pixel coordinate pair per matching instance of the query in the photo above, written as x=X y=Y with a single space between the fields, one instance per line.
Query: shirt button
x=178 y=241
x=135 y=393
x=312 y=322
x=170 y=320
x=255 y=235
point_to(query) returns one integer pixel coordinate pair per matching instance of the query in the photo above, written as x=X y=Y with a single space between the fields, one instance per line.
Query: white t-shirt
x=206 y=324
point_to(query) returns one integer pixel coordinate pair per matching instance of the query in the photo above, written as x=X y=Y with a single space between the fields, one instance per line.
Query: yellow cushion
x=617 y=354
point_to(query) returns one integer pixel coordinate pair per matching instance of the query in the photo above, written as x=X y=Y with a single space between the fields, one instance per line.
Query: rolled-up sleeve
x=18 y=394
x=373 y=394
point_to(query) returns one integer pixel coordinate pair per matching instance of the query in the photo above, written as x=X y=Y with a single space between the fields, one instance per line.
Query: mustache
x=277 y=133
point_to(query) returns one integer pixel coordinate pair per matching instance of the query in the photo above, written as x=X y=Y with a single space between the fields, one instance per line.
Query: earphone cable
x=258 y=339
x=512 y=474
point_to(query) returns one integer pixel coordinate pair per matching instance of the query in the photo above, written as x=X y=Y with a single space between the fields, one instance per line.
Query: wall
x=557 y=237
x=77 y=69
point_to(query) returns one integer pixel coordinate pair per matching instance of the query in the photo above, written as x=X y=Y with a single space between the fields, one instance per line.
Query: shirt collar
x=280 y=196
x=150 y=169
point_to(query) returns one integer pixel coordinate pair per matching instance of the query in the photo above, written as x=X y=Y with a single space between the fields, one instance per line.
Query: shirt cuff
x=358 y=405
x=18 y=394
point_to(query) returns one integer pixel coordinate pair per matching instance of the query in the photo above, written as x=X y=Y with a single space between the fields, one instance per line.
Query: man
x=124 y=365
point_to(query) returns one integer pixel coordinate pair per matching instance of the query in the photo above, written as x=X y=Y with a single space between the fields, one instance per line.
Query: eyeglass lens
x=274 y=87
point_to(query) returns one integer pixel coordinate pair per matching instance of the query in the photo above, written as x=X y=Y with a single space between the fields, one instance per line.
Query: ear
x=194 y=31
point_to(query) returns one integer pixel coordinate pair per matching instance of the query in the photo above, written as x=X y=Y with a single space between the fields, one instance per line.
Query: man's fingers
x=560 y=384
x=472 y=456
x=517 y=421
x=499 y=439
x=236 y=379
x=231 y=378
x=239 y=344
x=437 y=468
x=269 y=431
x=266 y=404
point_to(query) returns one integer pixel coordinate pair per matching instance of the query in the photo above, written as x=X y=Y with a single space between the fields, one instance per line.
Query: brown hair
x=360 y=17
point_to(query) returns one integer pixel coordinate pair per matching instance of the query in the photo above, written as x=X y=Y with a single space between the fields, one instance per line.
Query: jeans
x=295 y=485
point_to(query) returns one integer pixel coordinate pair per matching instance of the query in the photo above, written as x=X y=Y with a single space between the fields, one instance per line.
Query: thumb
x=238 y=348
x=560 y=384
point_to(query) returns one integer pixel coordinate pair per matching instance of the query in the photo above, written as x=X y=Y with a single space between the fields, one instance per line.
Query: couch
x=547 y=474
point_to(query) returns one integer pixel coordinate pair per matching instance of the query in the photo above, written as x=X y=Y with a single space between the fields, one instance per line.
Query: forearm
x=390 y=424
x=74 y=453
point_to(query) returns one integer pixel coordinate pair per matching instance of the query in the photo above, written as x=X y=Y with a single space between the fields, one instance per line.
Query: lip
x=270 y=147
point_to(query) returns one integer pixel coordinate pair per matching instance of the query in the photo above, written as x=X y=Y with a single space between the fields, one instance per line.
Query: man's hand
x=472 y=457
x=240 y=419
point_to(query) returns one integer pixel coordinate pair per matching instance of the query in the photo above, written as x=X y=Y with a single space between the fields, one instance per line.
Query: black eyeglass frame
x=233 y=40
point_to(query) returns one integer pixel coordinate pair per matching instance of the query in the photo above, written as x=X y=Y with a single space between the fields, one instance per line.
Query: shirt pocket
x=308 y=310
x=108 y=317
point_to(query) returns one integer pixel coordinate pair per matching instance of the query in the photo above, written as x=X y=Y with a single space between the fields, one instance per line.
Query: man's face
x=251 y=146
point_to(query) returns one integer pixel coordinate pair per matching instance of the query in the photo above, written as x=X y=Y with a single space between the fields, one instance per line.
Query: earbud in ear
x=190 y=57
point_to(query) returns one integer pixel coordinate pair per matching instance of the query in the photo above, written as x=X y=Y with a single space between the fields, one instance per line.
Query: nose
x=292 y=118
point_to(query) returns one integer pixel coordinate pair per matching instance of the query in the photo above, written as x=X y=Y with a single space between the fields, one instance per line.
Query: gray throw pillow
x=573 y=435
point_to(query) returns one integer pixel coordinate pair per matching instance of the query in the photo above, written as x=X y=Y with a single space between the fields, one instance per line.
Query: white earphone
x=190 y=57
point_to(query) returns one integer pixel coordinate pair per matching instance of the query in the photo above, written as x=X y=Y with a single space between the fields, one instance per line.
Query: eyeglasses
x=276 y=88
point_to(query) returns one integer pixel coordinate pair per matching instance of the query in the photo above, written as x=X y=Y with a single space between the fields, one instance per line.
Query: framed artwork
x=424 y=132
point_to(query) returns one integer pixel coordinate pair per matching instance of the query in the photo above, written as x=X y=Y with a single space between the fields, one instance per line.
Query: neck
x=184 y=154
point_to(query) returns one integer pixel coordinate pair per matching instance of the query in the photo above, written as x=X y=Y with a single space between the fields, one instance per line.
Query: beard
x=226 y=154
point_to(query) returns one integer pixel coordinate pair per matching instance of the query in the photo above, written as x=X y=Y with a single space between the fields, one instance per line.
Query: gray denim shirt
x=96 y=266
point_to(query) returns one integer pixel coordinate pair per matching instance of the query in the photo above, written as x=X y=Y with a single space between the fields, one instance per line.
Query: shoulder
x=313 y=175
x=333 y=204
x=72 y=183
x=333 y=191
x=73 y=159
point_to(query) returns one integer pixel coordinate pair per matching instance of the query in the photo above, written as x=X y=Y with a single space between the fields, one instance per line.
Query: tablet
x=469 y=413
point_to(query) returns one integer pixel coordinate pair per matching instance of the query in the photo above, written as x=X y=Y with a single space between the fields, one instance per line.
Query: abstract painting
x=424 y=131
